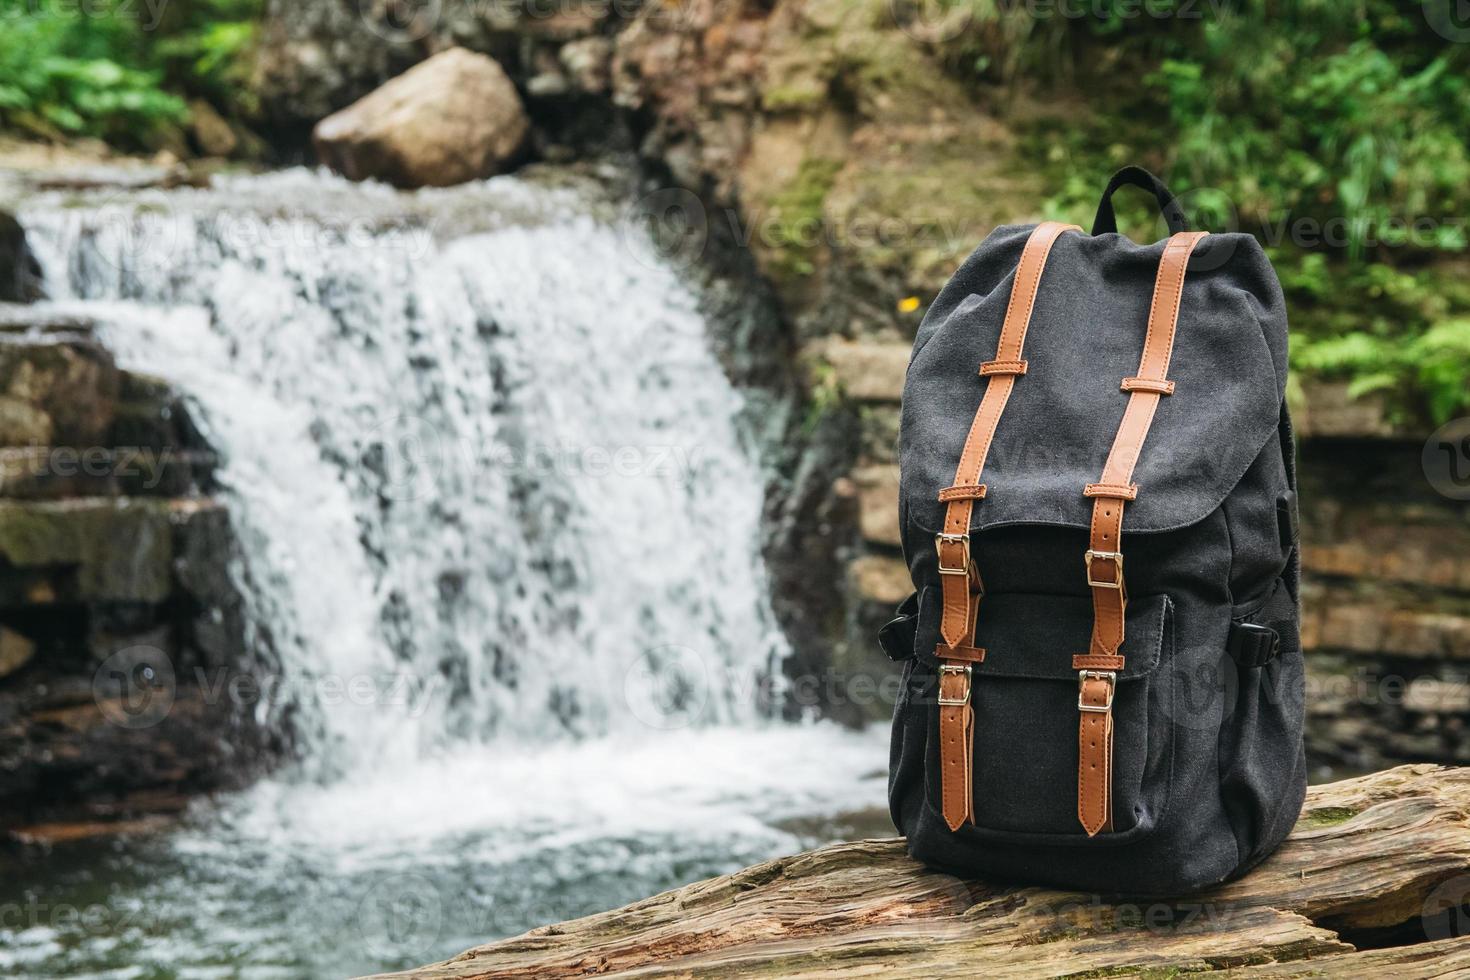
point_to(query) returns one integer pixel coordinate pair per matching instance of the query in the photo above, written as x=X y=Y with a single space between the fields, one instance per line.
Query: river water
x=489 y=476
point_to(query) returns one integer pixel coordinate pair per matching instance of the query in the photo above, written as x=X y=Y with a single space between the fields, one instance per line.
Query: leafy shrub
x=105 y=69
x=1335 y=132
x=62 y=72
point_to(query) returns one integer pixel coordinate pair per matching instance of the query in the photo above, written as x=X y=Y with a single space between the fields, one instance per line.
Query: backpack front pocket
x=1025 y=735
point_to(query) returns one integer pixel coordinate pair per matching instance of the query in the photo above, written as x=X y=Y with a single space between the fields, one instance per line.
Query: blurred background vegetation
x=1336 y=131
x=120 y=70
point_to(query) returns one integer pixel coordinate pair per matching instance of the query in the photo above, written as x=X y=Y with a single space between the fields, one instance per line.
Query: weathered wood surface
x=1380 y=861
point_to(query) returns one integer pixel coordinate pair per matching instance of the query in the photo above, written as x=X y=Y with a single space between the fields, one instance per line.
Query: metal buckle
x=940 y=540
x=969 y=679
x=1116 y=556
x=1083 y=676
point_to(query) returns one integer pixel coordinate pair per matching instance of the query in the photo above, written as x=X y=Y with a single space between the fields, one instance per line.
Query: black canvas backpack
x=1103 y=679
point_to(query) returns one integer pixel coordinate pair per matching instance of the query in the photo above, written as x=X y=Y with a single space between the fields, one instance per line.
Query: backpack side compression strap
x=1097 y=669
x=957 y=571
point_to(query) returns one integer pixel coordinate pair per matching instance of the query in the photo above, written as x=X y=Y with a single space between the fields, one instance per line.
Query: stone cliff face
x=122 y=637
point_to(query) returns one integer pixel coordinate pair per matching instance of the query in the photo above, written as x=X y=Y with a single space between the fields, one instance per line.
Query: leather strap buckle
x=1116 y=556
x=969 y=680
x=1083 y=676
x=940 y=540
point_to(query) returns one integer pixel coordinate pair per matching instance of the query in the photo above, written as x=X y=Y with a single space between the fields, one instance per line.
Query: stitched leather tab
x=1148 y=384
x=974 y=491
x=1002 y=367
x=1113 y=490
x=974 y=655
x=1085 y=661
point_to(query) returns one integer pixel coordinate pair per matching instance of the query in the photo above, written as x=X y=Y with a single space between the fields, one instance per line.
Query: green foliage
x=207 y=52
x=71 y=74
x=1335 y=132
x=1325 y=112
x=116 y=69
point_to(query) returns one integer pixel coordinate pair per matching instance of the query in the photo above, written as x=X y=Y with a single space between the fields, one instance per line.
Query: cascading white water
x=488 y=475
x=504 y=472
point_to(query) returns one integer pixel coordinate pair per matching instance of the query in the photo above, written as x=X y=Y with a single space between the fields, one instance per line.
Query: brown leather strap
x=1104 y=557
x=956 y=738
x=960 y=578
x=953 y=544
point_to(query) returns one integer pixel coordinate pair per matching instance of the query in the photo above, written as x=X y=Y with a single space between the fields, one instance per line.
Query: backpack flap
x=1229 y=371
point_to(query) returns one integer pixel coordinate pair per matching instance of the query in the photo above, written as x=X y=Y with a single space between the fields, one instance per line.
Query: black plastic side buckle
x=1252 y=645
x=896 y=637
x=1288 y=524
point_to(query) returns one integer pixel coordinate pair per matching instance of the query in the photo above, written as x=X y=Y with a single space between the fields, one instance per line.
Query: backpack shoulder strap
x=957 y=571
x=1097 y=669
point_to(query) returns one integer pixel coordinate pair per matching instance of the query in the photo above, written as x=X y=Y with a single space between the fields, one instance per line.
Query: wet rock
x=55 y=392
x=95 y=549
x=15 y=651
x=120 y=625
x=865 y=371
x=315 y=56
x=20 y=273
x=881 y=579
x=454 y=118
x=1328 y=411
x=212 y=132
x=589 y=63
x=878 y=503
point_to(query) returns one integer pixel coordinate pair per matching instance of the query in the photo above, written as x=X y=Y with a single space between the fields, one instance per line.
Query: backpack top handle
x=1106 y=222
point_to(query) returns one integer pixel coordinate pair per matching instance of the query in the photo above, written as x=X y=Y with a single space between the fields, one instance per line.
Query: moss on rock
x=110 y=549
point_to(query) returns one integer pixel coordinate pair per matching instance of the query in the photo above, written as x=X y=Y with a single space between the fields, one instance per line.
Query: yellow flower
x=908 y=304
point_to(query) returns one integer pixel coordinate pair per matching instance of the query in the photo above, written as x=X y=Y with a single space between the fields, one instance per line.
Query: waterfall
x=499 y=510
x=502 y=474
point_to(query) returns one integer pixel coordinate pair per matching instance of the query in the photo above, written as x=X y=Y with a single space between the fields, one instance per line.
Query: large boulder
x=453 y=118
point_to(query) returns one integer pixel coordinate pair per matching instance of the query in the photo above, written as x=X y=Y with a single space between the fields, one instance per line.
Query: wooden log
x=1374 y=880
